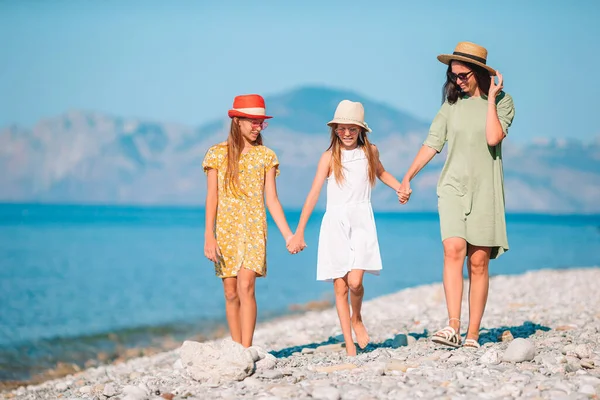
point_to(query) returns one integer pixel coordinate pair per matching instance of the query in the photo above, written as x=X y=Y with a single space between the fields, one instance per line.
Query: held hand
x=495 y=89
x=404 y=192
x=211 y=249
x=296 y=244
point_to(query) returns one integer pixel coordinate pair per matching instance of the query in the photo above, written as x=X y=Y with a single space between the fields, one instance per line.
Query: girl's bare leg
x=245 y=288
x=340 y=287
x=357 y=291
x=232 y=308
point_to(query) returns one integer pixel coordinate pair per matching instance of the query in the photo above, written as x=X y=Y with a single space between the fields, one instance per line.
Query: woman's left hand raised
x=495 y=89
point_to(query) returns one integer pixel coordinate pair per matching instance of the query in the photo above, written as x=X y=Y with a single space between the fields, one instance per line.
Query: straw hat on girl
x=350 y=112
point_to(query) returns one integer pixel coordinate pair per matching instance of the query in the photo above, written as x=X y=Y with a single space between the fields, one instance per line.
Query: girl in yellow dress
x=241 y=176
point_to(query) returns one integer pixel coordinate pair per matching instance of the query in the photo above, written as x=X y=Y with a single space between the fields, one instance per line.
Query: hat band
x=251 y=110
x=472 y=57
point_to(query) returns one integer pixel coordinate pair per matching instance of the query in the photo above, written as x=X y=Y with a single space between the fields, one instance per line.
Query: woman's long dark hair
x=452 y=92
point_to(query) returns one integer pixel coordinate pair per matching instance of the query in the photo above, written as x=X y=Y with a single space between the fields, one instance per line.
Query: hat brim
x=446 y=58
x=349 y=122
x=236 y=113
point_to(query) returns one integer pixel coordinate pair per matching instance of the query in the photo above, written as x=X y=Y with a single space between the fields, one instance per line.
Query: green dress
x=471 y=185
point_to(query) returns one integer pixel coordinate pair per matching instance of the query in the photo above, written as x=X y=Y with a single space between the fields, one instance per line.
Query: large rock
x=218 y=362
x=519 y=350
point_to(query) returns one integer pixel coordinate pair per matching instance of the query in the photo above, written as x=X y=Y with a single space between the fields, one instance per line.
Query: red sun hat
x=249 y=106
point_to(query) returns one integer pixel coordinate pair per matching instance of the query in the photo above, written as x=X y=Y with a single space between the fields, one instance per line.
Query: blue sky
x=183 y=61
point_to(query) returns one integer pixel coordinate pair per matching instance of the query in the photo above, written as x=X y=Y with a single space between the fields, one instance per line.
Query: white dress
x=348 y=237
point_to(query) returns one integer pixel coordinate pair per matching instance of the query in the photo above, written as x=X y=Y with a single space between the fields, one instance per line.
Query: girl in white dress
x=348 y=243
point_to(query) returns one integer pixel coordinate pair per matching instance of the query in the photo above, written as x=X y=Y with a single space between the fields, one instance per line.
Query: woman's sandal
x=447 y=336
x=472 y=343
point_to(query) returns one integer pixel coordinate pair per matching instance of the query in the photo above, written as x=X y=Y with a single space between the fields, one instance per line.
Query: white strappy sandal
x=471 y=343
x=447 y=336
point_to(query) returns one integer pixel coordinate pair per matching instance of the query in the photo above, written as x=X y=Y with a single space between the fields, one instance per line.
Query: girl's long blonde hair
x=336 y=155
x=235 y=146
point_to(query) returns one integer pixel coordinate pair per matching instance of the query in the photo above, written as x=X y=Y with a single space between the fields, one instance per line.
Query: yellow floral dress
x=241 y=223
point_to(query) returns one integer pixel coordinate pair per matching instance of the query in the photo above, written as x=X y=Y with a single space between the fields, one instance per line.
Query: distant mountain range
x=88 y=157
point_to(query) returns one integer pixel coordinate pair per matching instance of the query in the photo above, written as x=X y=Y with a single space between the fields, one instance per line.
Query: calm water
x=68 y=273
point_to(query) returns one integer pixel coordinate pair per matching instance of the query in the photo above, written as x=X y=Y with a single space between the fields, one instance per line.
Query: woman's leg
x=340 y=287
x=357 y=291
x=232 y=308
x=455 y=250
x=246 y=284
x=479 y=282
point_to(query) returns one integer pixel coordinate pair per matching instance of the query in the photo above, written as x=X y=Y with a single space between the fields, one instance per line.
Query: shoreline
x=552 y=308
x=118 y=348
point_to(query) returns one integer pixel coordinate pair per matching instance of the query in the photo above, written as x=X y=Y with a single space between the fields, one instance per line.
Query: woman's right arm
x=422 y=158
x=311 y=200
x=211 y=249
x=433 y=144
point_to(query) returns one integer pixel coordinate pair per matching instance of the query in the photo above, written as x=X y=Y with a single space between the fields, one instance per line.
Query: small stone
x=519 y=350
x=587 y=389
x=573 y=364
x=334 y=368
x=134 y=375
x=326 y=393
x=109 y=390
x=286 y=391
x=98 y=388
x=330 y=348
x=167 y=396
x=271 y=374
x=506 y=336
x=85 y=389
x=588 y=364
x=308 y=350
x=583 y=351
x=569 y=327
x=134 y=392
x=395 y=365
x=457 y=359
x=61 y=387
x=491 y=357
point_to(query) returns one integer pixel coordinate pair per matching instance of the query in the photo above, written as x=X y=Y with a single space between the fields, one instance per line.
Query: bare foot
x=350 y=349
x=362 y=337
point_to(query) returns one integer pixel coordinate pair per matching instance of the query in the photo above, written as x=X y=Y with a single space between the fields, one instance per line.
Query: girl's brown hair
x=235 y=146
x=336 y=155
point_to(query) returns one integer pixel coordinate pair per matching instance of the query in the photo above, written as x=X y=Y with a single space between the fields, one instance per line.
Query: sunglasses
x=353 y=130
x=257 y=123
x=463 y=76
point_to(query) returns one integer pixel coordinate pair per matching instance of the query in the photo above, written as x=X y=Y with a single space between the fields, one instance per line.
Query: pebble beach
x=540 y=340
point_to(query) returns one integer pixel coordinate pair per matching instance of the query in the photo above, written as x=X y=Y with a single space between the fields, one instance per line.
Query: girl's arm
x=383 y=175
x=211 y=249
x=274 y=205
x=323 y=170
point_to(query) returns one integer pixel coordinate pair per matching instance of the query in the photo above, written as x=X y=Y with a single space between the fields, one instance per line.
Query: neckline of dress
x=251 y=149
